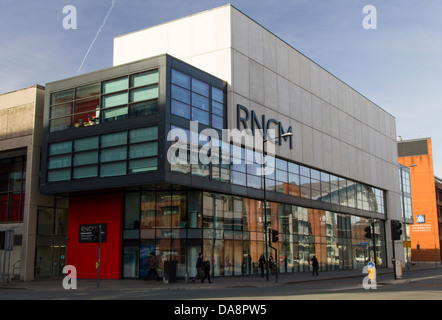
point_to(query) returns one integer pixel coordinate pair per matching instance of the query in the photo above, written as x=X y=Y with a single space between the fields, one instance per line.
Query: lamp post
x=288 y=134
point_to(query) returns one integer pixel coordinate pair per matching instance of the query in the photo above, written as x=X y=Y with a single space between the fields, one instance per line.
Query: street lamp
x=288 y=134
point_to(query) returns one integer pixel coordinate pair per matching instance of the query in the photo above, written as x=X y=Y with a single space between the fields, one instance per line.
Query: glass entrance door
x=59 y=260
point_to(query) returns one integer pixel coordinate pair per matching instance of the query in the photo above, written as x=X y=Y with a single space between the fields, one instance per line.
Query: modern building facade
x=124 y=146
x=438 y=182
x=425 y=231
x=21 y=123
x=407 y=210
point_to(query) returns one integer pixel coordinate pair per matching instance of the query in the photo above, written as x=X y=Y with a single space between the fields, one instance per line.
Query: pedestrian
x=199 y=264
x=206 y=267
x=315 y=266
x=271 y=264
x=152 y=267
x=262 y=264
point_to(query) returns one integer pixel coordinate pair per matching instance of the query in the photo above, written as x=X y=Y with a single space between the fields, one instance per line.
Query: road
x=419 y=285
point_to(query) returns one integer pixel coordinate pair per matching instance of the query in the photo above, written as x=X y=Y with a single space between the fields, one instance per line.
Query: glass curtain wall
x=115 y=99
x=285 y=177
x=51 y=239
x=228 y=230
x=12 y=189
x=113 y=154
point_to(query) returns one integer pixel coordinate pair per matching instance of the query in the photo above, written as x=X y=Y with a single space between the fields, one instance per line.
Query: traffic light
x=396 y=229
x=275 y=237
x=367 y=232
x=95 y=234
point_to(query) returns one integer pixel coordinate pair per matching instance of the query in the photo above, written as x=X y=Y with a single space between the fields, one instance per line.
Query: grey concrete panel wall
x=335 y=128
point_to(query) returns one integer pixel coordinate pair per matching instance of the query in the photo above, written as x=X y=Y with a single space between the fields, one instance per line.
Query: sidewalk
x=385 y=276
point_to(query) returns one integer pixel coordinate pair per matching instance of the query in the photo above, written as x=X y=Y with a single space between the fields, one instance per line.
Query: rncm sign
x=244 y=117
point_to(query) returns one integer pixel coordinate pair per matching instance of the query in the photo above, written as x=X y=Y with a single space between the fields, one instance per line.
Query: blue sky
x=398 y=66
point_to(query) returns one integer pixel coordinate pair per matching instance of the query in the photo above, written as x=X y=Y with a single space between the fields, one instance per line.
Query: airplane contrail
x=96 y=36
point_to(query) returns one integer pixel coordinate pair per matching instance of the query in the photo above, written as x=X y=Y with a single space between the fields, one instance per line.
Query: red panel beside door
x=92 y=209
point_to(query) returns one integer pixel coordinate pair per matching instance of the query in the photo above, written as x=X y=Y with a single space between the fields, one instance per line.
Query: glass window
x=114 y=139
x=293 y=168
x=143 y=79
x=115 y=114
x=315 y=174
x=200 y=169
x=294 y=179
x=144 y=93
x=305 y=181
x=180 y=109
x=59 y=162
x=281 y=164
x=59 y=175
x=281 y=175
x=342 y=183
x=62 y=96
x=45 y=221
x=180 y=94
x=143 y=134
x=60 y=124
x=86 y=144
x=238 y=178
x=218 y=108
x=132 y=210
x=180 y=79
x=269 y=161
x=60 y=147
x=217 y=122
x=113 y=154
x=88 y=91
x=200 y=87
x=115 y=100
x=280 y=186
x=61 y=110
x=143 y=108
x=254 y=181
x=143 y=150
x=87 y=119
x=254 y=169
x=304 y=171
x=115 y=85
x=217 y=94
x=270 y=184
x=113 y=169
x=200 y=101
x=200 y=116
x=178 y=167
x=143 y=165
x=85 y=172
x=87 y=105
x=84 y=158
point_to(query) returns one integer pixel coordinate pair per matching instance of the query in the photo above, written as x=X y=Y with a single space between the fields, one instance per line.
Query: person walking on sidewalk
x=272 y=265
x=199 y=264
x=152 y=267
x=262 y=264
x=315 y=266
x=206 y=267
